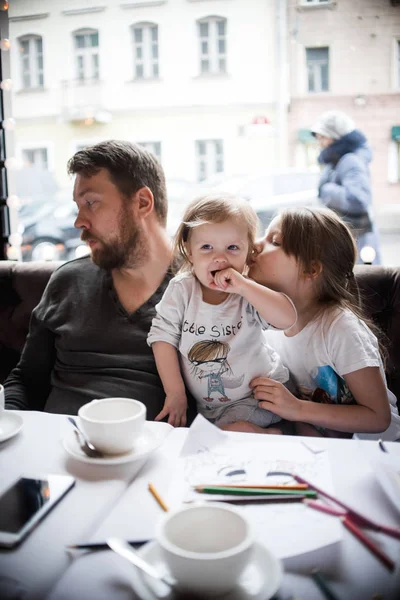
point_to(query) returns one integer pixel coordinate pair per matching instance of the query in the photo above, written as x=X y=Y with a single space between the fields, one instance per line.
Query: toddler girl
x=208 y=331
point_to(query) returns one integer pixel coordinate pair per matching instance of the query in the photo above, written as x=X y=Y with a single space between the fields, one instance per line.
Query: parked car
x=47 y=225
x=47 y=228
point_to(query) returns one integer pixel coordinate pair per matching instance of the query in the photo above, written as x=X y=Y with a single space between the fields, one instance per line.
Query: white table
x=105 y=499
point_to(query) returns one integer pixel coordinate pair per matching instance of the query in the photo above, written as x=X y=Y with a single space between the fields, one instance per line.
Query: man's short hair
x=130 y=166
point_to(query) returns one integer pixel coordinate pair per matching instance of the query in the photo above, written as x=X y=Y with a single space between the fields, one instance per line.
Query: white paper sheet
x=288 y=529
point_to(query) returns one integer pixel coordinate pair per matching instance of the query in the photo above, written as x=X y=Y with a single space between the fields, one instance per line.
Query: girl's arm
x=175 y=405
x=371 y=414
x=274 y=307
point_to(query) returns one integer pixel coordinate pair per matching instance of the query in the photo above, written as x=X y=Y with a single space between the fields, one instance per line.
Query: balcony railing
x=82 y=101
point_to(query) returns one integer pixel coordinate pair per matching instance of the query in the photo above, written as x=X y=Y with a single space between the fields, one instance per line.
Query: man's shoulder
x=79 y=268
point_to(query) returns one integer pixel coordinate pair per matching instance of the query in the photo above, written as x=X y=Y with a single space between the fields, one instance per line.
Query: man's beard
x=125 y=249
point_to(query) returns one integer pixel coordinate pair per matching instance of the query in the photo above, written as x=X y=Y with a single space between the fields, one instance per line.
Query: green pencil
x=240 y=491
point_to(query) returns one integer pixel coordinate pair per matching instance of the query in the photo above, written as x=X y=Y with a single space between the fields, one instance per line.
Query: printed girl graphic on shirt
x=331 y=388
x=209 y=359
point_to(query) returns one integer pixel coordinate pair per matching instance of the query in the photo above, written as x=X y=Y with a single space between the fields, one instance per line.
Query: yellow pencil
x=157 y=496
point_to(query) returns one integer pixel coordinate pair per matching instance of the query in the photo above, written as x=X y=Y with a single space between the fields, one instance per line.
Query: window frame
x=85 y=54
x=147 y=62
x=214 y=57
x=34 y=71
x=206 y=162
x=315 y=2
x=155 y=147
x=317 y=71
x=47 y=145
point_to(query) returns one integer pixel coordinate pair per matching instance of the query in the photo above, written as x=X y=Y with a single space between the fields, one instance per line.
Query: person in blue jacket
x=345 y=184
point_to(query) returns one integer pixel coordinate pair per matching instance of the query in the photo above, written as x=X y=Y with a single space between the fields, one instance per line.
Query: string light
x=13 y=201
x=3 y=5
x=5 y=45
x=13 y=163
x=15 y=239
x=6 y=85
x=8 y=124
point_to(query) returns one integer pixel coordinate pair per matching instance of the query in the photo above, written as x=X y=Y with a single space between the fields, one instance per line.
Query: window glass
x=145 y=51
x=212 y=45
x=217 y=91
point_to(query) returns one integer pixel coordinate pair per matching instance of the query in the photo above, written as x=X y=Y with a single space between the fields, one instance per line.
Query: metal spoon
x=84 y=443
x=126 y=551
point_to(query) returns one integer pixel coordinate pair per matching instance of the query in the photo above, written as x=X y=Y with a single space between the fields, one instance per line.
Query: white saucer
x=10 y=425
x=387 y=472
x=252 y=585
x=151 y=438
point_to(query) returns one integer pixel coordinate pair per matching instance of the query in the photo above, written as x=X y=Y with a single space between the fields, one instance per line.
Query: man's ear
x=314 y=271
x=144 y=201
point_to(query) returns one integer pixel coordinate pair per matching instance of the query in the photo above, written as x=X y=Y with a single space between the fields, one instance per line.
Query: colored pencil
x=250 y=491
x=258 y=499
x=323 y=585
x=372 y=547
x=103 y=545
x=356 y=516
x=294 y=486
x=382 y=446
x=158 y=498
x=324 y=508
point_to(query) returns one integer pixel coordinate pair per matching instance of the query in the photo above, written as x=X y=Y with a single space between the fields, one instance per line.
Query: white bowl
x=113 y=424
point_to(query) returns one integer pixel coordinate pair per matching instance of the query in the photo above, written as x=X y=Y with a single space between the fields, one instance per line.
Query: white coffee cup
x=2 y=398
x=206 y=547
x=113 y=424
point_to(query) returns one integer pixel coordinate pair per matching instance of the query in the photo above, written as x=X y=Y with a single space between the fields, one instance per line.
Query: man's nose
x=81 y=222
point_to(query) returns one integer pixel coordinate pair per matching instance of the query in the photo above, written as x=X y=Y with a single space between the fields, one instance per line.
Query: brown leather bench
x=22 y=284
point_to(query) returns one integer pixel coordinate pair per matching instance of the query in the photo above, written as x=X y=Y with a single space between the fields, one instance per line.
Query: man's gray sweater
x=82 y=344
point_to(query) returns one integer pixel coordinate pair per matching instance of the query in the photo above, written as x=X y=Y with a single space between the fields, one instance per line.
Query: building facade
x=192 y=80
x=345 y=55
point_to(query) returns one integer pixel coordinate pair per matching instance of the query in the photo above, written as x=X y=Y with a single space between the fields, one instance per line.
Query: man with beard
x=87 y=336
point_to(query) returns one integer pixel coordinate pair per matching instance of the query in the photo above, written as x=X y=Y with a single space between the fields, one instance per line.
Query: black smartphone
x=26 y=502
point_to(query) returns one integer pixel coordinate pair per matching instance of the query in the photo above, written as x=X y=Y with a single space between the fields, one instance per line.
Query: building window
x=318 y=69
x=153 y=147
x=145 y=51
x=209 y=158
x=31 y=49
x=87 y=55
x=307 y=150
x=36 y=157
x=398 y=63
x=212 y=39
x=311 y=2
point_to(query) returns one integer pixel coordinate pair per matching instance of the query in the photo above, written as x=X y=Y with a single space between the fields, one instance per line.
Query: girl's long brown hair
x=318 y=236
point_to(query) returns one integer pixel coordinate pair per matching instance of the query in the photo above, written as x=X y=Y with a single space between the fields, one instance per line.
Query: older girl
x=331 y=351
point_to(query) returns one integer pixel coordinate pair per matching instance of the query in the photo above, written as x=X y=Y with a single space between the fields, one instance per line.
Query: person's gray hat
x=333 y=124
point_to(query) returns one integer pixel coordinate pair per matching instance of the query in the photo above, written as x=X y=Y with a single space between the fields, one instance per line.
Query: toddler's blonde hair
x=213 y=208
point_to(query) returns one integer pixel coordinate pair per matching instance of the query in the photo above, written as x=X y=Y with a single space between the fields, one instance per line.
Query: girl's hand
x=274 y=396
x=229 y=280
x=175 y=406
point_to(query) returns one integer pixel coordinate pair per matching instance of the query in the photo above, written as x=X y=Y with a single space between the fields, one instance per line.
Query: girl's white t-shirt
x=324 y=351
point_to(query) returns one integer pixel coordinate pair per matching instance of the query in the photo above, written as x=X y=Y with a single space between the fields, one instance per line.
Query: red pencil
x=384 y=558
